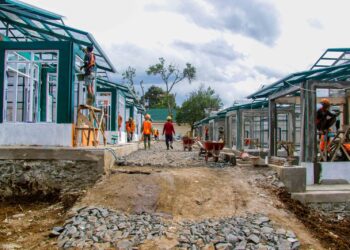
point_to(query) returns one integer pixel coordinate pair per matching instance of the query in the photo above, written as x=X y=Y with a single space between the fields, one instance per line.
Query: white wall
x=40 y=134
x=329 y=171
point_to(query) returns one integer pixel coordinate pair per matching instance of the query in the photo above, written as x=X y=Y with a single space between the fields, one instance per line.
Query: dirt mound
x=333 y=234
x=191 y=192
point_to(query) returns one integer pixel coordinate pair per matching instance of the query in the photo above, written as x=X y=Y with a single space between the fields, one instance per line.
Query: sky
x=237 y=46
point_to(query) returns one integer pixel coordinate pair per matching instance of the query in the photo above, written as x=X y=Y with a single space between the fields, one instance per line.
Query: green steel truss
x=332 y=57
x=24 y=22
x=331 y=73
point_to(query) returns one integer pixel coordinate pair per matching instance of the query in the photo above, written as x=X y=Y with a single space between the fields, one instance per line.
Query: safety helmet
x=147 y=116
x=90 y=48
x=325 y=102
x=168 y=118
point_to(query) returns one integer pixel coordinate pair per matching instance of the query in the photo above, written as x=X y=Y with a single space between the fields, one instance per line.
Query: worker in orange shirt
x=147 y=131
x=156 y=134
x=130 y=129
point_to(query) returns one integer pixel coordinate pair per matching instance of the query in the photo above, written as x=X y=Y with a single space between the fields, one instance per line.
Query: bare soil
x=27 y=226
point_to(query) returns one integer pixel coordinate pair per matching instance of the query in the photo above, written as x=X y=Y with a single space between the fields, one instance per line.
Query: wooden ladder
x=88 y=126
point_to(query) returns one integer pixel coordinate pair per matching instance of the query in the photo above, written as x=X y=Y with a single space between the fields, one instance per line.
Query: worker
x=89 y=73
x=147 y=131
x=324 y=121
x=168 y=130
x=130 y=129
x=156 y=134
x=206 y=135
x=120 y=121
x=324 y=118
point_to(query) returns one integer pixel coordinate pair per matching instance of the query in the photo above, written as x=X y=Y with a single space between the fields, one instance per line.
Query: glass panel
x=58 y=30
x=22 y=67
x=39 y=24
x=20 y=98
x=32 y=32
x=14 y=17
x=10 y=95
x=46 y=56
x=80 y=36
x=28 y=78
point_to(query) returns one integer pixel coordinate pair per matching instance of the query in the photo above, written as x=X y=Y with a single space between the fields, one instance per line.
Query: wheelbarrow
x=187 y=143
x=212 y=149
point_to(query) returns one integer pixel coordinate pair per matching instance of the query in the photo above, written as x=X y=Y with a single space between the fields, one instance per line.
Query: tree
x=171 y=76
x=128 y=76
x=157 y=98
x=194 y=108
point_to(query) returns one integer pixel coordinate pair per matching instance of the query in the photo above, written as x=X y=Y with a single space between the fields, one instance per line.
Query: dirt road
x=178 y=185
x=191 y=190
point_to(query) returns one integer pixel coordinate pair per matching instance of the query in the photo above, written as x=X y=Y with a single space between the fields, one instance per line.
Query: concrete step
x=324 y=194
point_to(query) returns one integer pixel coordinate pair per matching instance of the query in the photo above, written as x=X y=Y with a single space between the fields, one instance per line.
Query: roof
x=332 y=73
x=29 y=23
x=160 y=114
x=332 y=57
x=256 y=104
x=221 y=114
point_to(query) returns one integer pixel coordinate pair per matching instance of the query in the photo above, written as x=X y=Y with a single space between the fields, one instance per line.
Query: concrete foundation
x=294 y=178
x=324 y=194
x=44 y=171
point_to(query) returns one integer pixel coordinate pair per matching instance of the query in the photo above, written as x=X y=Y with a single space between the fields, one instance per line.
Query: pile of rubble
x=100 y=228
x=253 y=231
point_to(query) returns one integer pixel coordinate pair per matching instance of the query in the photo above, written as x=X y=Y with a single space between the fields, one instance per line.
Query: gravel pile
x=100 y=228
x=250 y=232
x=158 y=156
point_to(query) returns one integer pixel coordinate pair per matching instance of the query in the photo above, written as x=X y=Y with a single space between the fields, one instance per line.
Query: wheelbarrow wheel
x=206 y=158
x=190 y=149
x=216 y=158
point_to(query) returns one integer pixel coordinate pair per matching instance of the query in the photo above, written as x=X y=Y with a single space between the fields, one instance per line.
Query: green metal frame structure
x=131 y=100
x=333 y=57
x=65 y=96
x=24 y=27
x=26 y=23
x=332 y=73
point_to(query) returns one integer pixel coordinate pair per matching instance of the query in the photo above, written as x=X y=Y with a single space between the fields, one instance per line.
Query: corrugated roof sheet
x=160 y=114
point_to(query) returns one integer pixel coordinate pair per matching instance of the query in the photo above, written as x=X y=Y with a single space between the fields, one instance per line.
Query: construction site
x=263 y=174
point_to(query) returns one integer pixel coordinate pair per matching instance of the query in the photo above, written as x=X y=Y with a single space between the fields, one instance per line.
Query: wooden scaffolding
x=88 y=128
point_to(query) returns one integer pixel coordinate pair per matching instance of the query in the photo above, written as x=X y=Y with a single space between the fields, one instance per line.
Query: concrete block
x=309 y=172
x=294 y=178
x=322 y=196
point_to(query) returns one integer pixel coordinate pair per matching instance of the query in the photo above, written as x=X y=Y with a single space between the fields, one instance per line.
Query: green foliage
x=157 y=98
x=171 y=75
x=194 y=108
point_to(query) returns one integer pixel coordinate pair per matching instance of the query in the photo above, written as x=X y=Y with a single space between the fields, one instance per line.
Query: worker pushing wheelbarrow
x=212 y=149
x=187 y=143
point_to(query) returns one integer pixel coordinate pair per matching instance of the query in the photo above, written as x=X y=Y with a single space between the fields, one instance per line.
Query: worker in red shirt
x=168 y=130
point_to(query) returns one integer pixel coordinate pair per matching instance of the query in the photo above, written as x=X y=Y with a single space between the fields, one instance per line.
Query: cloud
x=315 y=23
x=252 y=18
x=218 y=65
x=218 y=48
x=268 y=72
